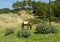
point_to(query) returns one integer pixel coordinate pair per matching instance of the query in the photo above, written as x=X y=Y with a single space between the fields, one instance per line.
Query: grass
x=55 y=37
x=13 y=37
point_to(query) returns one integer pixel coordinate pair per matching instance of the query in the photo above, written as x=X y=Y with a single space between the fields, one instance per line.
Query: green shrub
x=23 y=33
x=45 y=29
x=9 y=31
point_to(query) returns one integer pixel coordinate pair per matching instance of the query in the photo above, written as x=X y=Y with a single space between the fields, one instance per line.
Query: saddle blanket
x=25 y=22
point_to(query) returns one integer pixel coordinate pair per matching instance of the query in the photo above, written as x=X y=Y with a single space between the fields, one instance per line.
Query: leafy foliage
x=9 y=31
x=5 y=10
x=45 y=29
x=23 y=33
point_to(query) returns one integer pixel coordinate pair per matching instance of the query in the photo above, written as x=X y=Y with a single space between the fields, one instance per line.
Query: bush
x=9 y=31
x=23 y=33
x=45 y=29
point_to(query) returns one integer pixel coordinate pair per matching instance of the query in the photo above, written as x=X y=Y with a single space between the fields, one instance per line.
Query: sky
x=8 y=3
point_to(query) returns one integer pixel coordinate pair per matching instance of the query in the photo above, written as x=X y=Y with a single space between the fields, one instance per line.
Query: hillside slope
x=13 y=20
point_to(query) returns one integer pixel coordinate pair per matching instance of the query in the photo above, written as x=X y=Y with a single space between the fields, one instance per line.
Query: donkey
x=26 y=23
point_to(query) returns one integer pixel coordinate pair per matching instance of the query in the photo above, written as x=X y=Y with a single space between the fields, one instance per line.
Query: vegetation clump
x=23 y=33
x=9 y=31
x=45 y=29
x=5 y=10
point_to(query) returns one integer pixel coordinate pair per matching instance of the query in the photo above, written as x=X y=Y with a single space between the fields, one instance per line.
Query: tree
x=40 y=9
x=57 y=8
x=5 y=10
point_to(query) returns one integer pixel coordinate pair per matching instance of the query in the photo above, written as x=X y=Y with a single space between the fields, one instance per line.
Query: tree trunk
x=50 y=13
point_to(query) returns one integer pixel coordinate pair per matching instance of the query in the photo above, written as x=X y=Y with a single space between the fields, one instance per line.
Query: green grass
x=55 y=37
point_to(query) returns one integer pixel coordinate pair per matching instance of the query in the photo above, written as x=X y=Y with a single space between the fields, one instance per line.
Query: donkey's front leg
x=22 y=27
